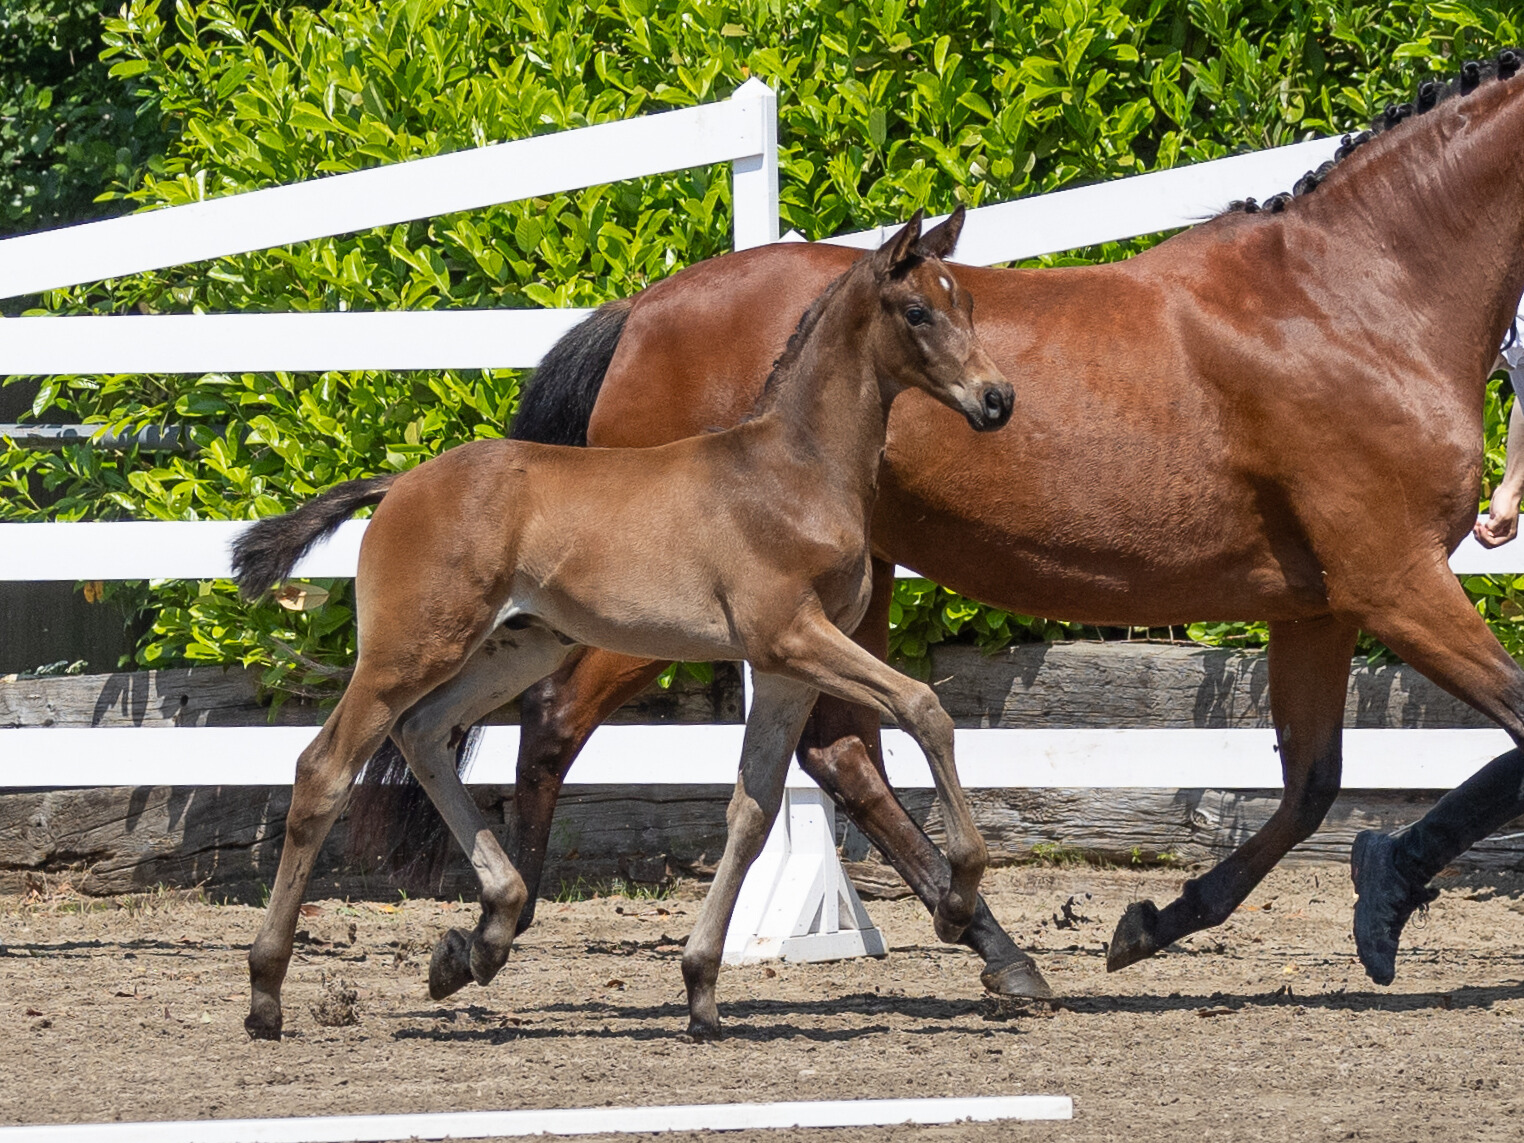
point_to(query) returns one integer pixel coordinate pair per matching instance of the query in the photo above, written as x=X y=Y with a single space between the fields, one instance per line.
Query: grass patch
x=584 y=889
x=1060 y=855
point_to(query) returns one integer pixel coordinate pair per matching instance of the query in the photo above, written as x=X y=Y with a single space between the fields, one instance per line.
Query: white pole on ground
x=559 y=1121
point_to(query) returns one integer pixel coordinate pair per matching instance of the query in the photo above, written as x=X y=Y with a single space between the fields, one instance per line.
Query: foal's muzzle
x=994 y=410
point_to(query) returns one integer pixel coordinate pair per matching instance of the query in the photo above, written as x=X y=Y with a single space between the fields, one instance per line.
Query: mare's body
x=1275 y=415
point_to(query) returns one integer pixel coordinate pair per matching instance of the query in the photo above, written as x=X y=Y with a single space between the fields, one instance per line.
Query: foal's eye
x=917 y=315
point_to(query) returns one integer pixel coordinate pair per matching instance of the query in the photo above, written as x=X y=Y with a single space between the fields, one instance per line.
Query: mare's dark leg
x=1309 y=676
x=1441 y=635
x=556 y=717
x=840 y=751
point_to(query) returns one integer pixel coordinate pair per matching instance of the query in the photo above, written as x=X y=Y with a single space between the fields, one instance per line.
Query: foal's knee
x=747 y=822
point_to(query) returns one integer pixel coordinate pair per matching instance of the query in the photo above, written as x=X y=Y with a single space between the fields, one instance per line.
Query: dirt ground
x=1264 y=1028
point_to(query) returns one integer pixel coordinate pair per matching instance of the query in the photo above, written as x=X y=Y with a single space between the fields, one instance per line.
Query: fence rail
x=54 y=757
x=741 y=130
x=260 y=343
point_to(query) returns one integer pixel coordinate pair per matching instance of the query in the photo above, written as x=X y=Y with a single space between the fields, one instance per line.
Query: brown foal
x=484 y=568
x=1274 y=415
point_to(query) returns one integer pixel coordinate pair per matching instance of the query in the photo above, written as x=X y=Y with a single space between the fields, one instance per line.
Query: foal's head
x=923 y=334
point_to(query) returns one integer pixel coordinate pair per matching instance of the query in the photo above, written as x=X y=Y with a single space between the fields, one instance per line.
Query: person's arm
x=1502 y=522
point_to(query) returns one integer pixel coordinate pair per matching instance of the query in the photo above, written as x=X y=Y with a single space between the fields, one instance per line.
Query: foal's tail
x=265 y=554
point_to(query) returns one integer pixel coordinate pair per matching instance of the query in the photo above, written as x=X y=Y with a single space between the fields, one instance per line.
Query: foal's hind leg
x=778 y=710
x=354 y=730
x=1309 y=673
x=505 y=663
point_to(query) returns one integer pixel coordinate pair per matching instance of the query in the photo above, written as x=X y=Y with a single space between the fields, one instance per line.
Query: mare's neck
x=1442 y=197
x=827 y=406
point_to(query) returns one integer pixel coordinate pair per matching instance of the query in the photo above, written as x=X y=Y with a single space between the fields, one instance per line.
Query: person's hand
x=1501 y=524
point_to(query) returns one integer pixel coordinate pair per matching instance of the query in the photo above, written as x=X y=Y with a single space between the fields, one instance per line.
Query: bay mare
x=486 y=567
x=1274 y=415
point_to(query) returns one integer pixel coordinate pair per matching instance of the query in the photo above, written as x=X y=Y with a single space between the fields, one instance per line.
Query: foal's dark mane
x=1431 y=93
x=784 y=364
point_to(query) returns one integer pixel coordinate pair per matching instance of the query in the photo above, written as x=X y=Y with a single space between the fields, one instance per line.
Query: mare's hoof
x=1136 y=936
x=949 y=930
x=1016 y=980
x=450 y=966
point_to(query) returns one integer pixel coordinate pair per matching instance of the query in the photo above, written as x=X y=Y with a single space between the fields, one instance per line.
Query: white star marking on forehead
x=946 y=285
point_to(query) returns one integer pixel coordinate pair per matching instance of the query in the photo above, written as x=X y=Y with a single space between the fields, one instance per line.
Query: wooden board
x=123 y=840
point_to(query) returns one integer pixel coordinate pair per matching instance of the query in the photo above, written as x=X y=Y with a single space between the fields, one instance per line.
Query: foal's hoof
x=484 y=965
x=1136 y=937
x=262 y=1023
x=1016 y=980
x=450 y=966
x=701 y=1031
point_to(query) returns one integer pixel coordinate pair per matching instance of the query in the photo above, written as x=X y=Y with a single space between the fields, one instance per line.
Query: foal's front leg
x=779 y=708
x=814 y=651
x=507 y=662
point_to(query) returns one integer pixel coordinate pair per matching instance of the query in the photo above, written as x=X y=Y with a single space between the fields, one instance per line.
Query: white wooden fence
x=741 y=130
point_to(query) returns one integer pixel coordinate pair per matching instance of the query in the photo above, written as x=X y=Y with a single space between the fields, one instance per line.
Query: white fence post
x=789 y=902
x=754 y=187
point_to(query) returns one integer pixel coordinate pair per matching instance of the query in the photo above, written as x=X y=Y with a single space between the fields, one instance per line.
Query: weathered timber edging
x=119 y=840
x=124 y=839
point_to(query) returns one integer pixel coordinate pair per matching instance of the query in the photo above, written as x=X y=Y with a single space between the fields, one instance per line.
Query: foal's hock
x=484 y=569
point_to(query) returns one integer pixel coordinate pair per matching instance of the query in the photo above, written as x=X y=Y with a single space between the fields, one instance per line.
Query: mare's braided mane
x=1431 y=93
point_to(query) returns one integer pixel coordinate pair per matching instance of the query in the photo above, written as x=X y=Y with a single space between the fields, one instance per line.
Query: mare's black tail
x=393 y=828
x=265 y=554
x=558 y=403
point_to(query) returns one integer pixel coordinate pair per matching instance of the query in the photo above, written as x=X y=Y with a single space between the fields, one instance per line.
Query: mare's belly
x=1104 y=561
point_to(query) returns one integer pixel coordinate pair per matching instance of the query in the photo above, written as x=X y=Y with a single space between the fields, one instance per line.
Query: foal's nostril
x=997 y=405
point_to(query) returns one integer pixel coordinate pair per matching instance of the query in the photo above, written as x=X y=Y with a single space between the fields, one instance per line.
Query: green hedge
x=68 y=130
x=884 y=107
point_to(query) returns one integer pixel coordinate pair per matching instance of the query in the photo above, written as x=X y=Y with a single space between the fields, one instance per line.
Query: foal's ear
x=942 y=239
x=902 y=247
